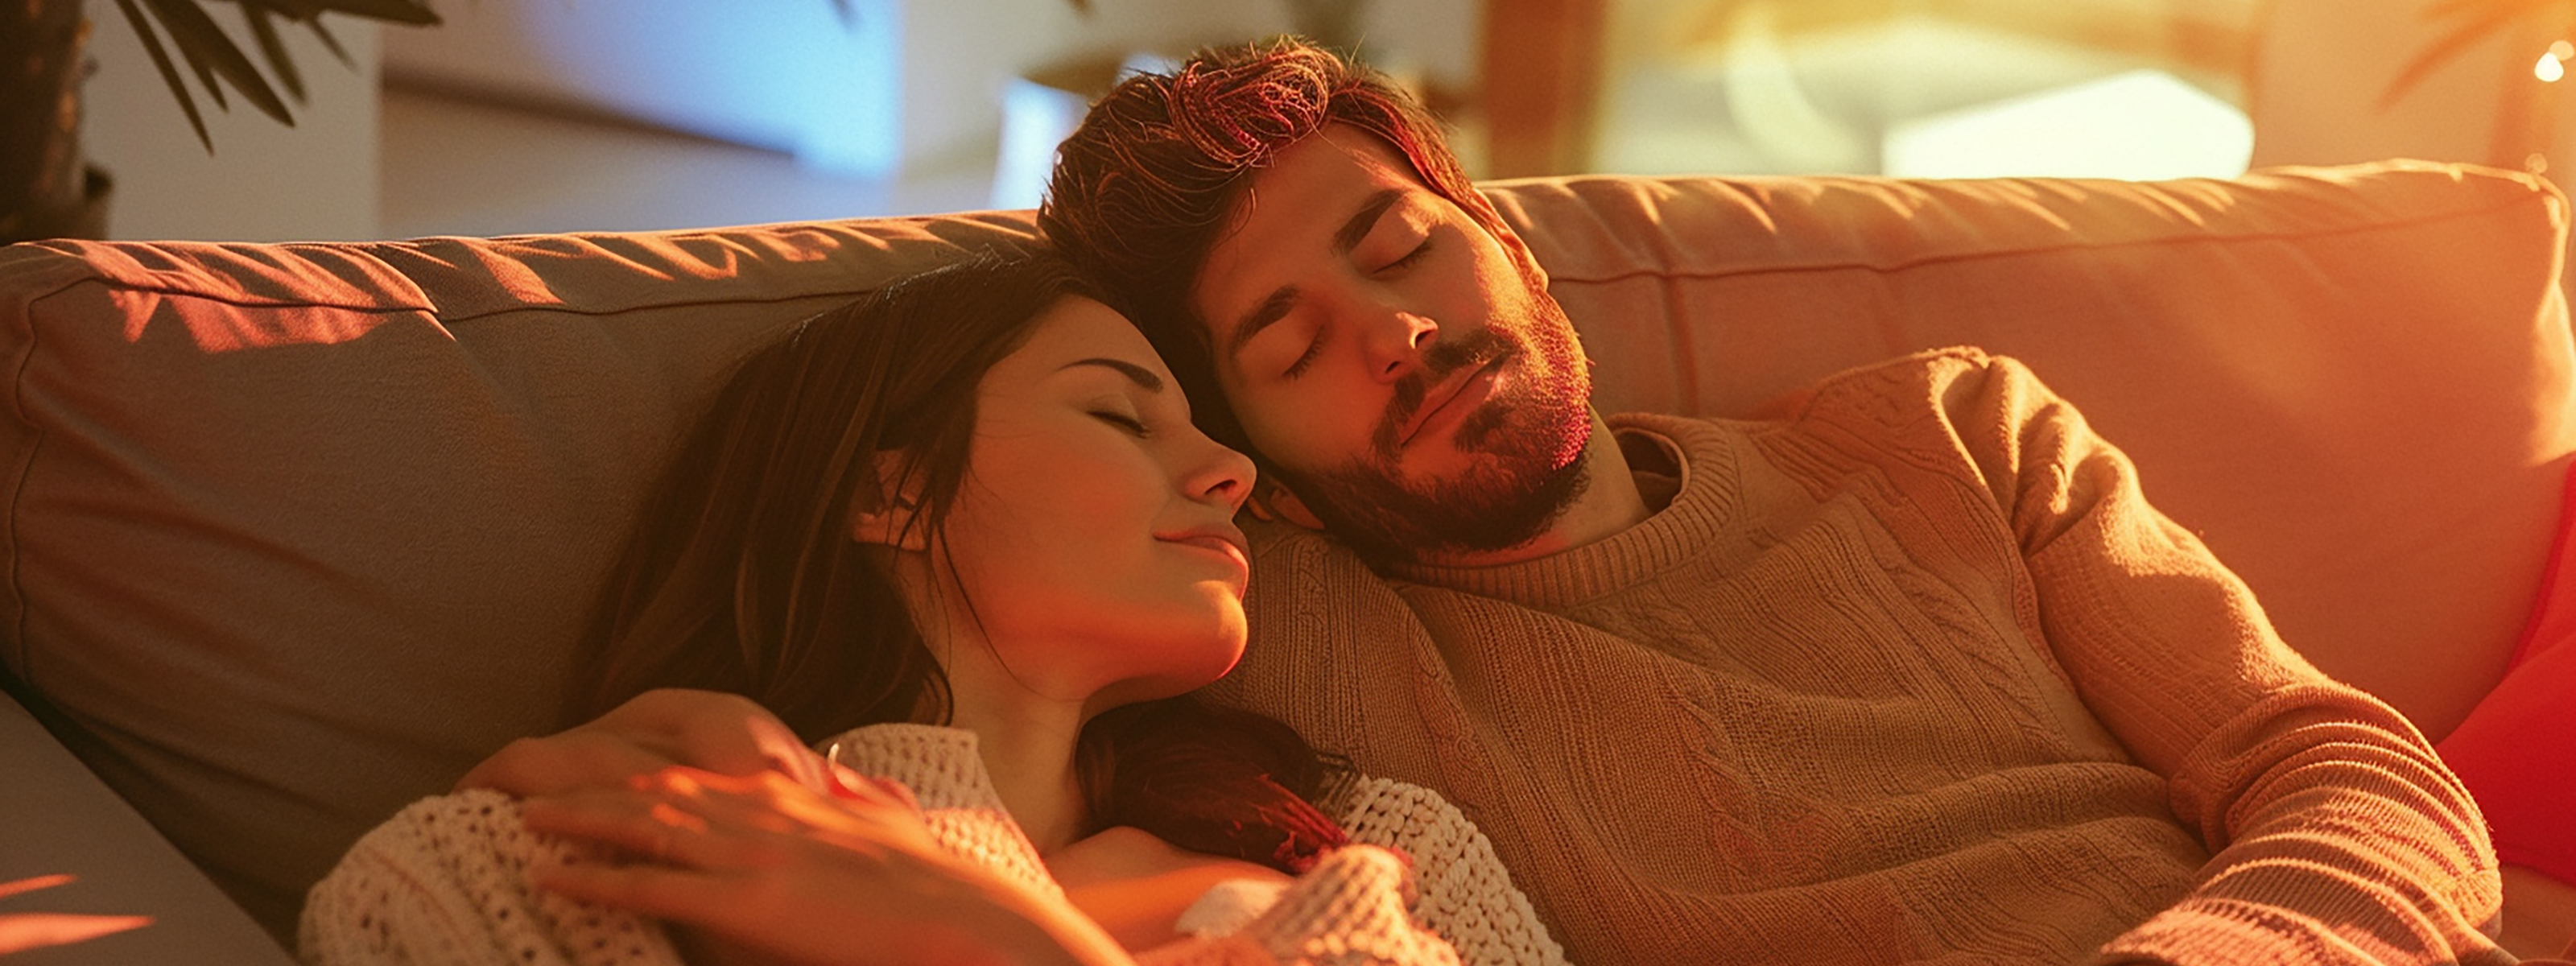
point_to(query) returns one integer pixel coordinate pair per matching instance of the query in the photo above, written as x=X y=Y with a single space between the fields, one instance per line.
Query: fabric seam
x=1905 y=264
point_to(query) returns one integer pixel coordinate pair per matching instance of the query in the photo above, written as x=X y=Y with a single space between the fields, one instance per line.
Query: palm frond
x=272 y=49
x=219 y=62
x=2473 y=21
x=169 y=71
x=206 y=47
x=2474 y=28
x=322 y=32
x=414 y=12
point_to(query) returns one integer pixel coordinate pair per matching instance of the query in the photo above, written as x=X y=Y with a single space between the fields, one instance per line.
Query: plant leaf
x=169 y=73
x=323 y=34
x=273 y=50
x=415 y=12
x=205 y=74
x=296 y=10
x=2473 y=29
x=207 y=48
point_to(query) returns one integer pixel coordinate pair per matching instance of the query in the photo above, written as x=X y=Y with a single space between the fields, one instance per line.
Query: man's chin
x=1486 y=509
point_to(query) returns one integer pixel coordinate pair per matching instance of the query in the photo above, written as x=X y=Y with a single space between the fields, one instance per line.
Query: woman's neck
x=1028 y=749
x=1027 y=740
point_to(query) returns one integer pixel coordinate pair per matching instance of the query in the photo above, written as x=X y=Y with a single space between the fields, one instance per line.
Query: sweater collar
x=945 y=771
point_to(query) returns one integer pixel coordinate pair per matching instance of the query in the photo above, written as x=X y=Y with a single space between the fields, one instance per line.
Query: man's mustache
x=1438 y=363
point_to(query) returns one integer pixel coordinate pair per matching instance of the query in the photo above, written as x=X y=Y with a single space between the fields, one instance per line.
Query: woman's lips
x=1226 y=547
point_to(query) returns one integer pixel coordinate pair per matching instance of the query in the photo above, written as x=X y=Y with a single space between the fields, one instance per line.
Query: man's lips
x=1454 y=397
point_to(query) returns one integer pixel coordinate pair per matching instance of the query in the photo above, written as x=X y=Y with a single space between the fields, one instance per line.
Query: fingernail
x=832 y=782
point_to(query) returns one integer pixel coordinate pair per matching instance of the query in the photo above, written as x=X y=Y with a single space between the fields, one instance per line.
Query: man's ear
x=888 y=516
x=1271 y=501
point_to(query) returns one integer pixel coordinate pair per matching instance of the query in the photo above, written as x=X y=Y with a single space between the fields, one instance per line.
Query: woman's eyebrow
x=1139 y=374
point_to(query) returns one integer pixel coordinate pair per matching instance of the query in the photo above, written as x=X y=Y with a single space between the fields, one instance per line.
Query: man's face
x=1405 y=370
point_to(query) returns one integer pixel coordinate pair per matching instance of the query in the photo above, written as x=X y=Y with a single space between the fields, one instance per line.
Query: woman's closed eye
x=1123 y=421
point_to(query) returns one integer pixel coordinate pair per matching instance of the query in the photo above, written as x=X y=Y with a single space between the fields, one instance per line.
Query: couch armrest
x=60 y=819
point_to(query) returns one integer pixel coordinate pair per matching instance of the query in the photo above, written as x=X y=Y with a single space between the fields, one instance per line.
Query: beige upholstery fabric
x=2353 y=383
x=296 y=533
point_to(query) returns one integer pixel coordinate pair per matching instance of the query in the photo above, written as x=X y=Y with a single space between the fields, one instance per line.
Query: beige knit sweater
x=1912 y=674
x=445 y=882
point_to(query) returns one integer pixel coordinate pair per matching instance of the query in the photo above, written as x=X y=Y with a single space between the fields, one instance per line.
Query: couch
x=296 y=533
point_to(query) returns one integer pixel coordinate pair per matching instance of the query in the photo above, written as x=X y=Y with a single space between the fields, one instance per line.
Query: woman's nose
x=1224 y=476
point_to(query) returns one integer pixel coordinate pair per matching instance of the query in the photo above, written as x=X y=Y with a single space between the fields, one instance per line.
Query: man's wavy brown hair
x=1156 y=175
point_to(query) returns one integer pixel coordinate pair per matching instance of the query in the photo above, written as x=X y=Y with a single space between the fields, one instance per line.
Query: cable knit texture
x=1913 y=673
x=445 y=881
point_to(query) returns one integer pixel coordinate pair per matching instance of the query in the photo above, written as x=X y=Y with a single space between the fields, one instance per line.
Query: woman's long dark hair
x=742 y=574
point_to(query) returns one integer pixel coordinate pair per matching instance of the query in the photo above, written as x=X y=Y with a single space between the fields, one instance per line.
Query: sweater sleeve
x=2336 y=835
x=446 y=881
x=1462 y=892
x=1349 y=910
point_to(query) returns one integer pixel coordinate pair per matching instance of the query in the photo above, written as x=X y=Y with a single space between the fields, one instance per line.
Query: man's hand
x=707 y=730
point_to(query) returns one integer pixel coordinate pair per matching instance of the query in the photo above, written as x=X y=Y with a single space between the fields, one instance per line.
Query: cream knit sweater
x=445 y=882
x=1912 y=674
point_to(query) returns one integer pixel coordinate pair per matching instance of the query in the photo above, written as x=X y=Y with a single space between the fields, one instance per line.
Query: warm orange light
x=2550 y=68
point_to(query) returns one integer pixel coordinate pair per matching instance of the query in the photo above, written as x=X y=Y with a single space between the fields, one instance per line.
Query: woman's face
x=1093 y=536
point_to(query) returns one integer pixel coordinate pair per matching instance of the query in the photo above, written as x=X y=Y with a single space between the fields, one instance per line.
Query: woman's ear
x=1271 y=501
x=890 y=516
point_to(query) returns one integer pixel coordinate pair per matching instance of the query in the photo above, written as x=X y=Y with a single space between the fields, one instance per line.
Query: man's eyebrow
x=1270 y=310
x=1139 y=374
x=1276 y=306
x=1366 y=218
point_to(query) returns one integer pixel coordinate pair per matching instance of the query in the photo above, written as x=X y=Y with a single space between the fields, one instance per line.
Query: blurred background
x=555 y=115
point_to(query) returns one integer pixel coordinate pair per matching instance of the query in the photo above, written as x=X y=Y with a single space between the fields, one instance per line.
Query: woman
x=967 y=525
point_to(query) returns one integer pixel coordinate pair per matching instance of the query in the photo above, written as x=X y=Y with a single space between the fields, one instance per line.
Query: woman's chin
x=1187 y=669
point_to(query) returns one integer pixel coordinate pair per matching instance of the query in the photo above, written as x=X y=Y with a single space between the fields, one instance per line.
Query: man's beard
x=1526 y=446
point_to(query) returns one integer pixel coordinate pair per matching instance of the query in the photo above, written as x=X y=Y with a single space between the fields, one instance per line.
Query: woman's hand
x=723 y=733
x=774 y=872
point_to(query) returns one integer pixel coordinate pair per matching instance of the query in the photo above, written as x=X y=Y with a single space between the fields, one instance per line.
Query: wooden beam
x=1541 y=85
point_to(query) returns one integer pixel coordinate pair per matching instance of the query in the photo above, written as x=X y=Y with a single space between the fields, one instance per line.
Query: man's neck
x=1608 y=505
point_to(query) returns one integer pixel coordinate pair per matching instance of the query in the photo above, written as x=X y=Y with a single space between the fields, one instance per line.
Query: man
x=1913 y=674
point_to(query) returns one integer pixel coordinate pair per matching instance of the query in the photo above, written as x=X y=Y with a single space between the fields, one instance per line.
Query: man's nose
x=1396 y=340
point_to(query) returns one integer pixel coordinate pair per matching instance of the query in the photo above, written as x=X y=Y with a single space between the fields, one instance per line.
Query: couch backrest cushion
x=297 y=533
x=2353 y=383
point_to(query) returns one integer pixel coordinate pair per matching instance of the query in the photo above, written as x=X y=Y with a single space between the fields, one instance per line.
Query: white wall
x=911 y=85
x=264 y=182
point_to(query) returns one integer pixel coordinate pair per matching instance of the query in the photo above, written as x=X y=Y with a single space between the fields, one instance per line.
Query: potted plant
x=47 y=190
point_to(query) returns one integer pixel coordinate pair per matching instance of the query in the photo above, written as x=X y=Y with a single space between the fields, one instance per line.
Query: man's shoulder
x=1934 y=387
x=1932 y=394
x=1958 y=413
x=1930 y=376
